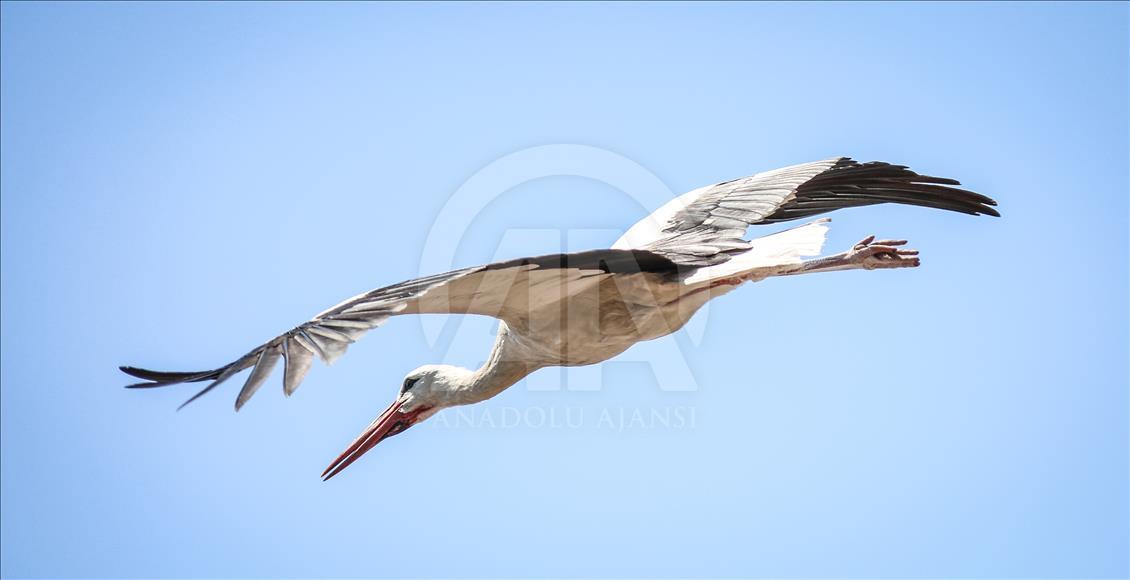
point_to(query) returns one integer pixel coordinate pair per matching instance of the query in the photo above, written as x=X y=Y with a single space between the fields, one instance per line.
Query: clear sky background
x=181 y=182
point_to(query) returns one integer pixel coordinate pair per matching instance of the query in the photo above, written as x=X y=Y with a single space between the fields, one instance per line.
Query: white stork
x=587 y=307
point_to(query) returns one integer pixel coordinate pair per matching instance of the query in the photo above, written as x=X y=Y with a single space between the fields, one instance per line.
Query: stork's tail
x=780 y=249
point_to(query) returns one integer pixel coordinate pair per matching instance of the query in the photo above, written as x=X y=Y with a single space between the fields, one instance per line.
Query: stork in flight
x=586 y=307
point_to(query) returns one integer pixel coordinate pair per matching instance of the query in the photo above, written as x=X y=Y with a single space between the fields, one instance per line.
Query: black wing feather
x=719 y=217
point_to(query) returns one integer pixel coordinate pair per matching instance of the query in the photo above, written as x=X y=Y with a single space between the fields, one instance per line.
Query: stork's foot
x=872 y=254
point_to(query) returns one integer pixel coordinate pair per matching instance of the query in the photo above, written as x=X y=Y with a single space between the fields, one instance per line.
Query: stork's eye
x=408 y=382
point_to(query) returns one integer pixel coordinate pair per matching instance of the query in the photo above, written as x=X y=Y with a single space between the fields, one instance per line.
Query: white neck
x=497 y=374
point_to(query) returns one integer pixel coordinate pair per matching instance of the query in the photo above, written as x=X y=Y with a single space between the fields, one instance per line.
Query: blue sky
x=183 y=181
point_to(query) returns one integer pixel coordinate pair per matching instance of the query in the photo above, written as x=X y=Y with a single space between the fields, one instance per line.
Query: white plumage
x=586 y=307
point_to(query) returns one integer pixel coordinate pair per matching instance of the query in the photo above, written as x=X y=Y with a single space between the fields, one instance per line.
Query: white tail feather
x=780 y=249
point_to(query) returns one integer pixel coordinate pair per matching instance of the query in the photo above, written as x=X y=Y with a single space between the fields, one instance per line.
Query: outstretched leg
x=868 y=254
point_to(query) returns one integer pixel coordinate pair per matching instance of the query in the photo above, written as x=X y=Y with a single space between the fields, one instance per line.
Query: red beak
x=389 y=423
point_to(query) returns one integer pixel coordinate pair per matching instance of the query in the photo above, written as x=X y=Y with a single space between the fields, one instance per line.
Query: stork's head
x=425 y=391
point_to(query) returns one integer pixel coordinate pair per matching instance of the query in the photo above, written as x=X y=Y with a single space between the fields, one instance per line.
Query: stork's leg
x=868 y=254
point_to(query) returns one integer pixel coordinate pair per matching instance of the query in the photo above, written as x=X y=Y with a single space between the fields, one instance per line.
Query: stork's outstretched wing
x=708 y=225
x=503 y=290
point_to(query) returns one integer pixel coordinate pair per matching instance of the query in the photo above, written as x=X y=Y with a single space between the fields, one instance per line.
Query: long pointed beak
x=389 y=423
